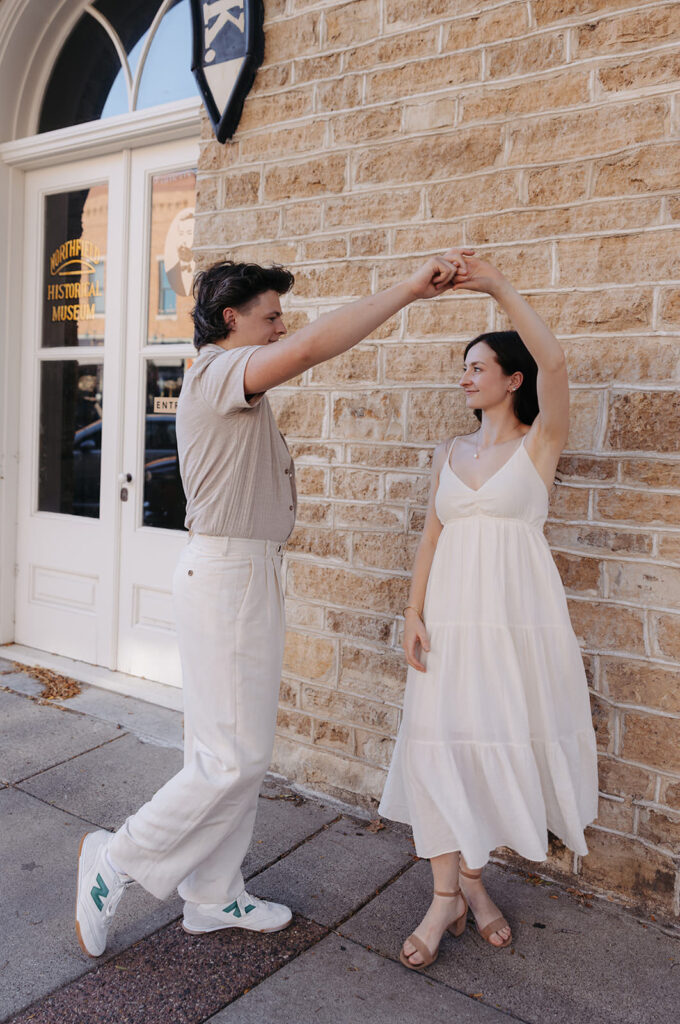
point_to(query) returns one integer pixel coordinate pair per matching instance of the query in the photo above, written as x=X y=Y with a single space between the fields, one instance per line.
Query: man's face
x=259 y=322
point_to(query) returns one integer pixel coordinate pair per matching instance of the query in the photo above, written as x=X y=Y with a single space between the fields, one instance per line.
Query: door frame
x=141 y=129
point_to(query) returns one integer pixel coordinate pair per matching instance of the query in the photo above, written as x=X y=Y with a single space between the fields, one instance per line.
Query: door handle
x=124 y=478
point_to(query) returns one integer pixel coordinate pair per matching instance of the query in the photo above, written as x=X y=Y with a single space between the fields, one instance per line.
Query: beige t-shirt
x=237 y=472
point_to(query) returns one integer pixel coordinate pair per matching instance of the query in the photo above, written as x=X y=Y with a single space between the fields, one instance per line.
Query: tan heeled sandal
x=457 y=927
x=494 y=926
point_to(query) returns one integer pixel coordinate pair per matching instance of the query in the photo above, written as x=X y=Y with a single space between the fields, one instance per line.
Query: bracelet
x=414 y=609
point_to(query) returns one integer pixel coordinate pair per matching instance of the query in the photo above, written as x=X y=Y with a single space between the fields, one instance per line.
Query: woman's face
x=483 y=380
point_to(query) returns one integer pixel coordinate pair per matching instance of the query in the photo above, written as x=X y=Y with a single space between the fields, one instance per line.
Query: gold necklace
x=475 y=454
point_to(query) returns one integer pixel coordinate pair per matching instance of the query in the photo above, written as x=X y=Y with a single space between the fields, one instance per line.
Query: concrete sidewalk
x=68 y=767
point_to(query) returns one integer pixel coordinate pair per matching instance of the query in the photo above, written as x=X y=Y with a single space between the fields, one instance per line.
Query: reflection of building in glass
x=95 y=226
x=172 y=232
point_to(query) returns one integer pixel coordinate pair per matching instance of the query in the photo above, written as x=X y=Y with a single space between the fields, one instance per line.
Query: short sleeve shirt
x=237 y=472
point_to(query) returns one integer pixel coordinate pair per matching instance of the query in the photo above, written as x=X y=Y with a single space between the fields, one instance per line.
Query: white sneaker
x=99 y=891
x=245 y=912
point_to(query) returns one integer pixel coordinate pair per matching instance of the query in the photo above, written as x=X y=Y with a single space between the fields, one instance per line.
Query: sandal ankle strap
x=470 y=874
x=438 y=893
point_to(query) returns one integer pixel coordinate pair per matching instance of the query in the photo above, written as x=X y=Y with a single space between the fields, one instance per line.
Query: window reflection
x=70 y=443
x=74 y=276
x=164 y=503
x=171 y=262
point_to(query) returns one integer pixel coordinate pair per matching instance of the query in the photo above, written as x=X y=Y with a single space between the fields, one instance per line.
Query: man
x=239 y=482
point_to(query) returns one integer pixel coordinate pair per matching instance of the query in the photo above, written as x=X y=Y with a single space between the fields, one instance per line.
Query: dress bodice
x=515 y=491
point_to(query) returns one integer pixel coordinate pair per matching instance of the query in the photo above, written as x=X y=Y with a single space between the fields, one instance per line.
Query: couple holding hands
x=496 y=745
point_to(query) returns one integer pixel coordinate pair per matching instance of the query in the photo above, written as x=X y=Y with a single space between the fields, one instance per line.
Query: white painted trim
x=106 y=679
x=148 y=127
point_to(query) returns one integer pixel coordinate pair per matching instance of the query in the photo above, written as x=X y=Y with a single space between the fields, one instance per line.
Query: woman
x=496 y=744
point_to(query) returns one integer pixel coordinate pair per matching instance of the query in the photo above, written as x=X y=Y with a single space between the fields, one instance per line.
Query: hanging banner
x=228 y=49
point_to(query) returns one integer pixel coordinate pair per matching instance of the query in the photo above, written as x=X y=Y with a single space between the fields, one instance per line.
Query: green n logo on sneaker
x=99 y=891
x=234 y=909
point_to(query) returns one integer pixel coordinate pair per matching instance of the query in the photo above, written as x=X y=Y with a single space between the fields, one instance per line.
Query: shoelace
x=116 y=895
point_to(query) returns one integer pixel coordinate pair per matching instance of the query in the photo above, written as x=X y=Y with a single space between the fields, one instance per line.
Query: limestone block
x=670 y=793
x=293 y=37
x=323 y=174
x=302 y=218
x=615 y=815
x=434 y=415
x=359 y=365
x=611 y=309
x=525 y=56
x=597 y=539
x=547 y=12
x=314 y=512
x=558 y=183
x=638 y=682
x=339 y=94
x=466 y=149
x=644 y=583
x=669 y=307
x=351 y=23
x=586 y=132
x=667 y=633
x=646 y=507
x=360 y=591
x=662 y=829
x=299 y=613
x=369 y=517
x=322 y=543
x=526 y=266
x=345 y=778
x=208 y=193
x=289 y=693
x=388 y=456
x=324 y=248
x=645 y=169
x=349 y=709
x=310 y=481
x=311 y=69
x=387 y=84
x=559 y=90
x=273 y=76
x=652 y=740
x=368 y=243
x=626 y=360
x=625 y=865
x=484 y=27
x=299 y=138
x=301 y=414
x=408 y=487
x=583 y=575
x=620 y=259
x=294 y=723
x=355 y=484
x=272 y=110
x=475 y=194
x=584 y=418
x=360 y=627
x=374 y=748
x=569 y=502
x=404 y=13
x=669 y=548
x=586 y=467
x=310 y=657
x=376 y=207
x=640 y=72
x=337 y=280
x=420 y=42
x=241 y=189
x=626 y=780
x=644 y=421
x=447 y=318
x=377 y=674
x=600 y=626
x=604 y=723
x=631 y=30
x=390 y=551
x=430 y=114
x=567 y=220
x=364 y=414
x=333 y=736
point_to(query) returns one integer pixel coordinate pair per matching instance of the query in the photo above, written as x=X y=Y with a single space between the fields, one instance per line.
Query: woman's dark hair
x=232 y=284
x=513 y=356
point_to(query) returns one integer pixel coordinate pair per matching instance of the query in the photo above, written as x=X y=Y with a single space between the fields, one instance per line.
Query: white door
x=159 y=347
x=70 y=352
x=106 y=341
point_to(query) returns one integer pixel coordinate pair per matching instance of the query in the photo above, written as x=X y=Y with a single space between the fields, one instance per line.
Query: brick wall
x=545 y=133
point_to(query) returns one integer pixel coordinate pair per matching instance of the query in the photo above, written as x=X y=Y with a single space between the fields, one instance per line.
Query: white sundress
x=496 y=744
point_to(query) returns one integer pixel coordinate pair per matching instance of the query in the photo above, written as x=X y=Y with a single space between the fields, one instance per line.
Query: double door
x=106 y=341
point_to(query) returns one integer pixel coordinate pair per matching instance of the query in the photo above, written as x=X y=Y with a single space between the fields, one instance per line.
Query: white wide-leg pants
x=194 y=833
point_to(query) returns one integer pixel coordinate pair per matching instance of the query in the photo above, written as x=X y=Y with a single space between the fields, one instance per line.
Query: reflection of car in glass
x=164 y=503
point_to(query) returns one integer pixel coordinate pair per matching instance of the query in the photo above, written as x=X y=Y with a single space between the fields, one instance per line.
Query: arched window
x=120 y=57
